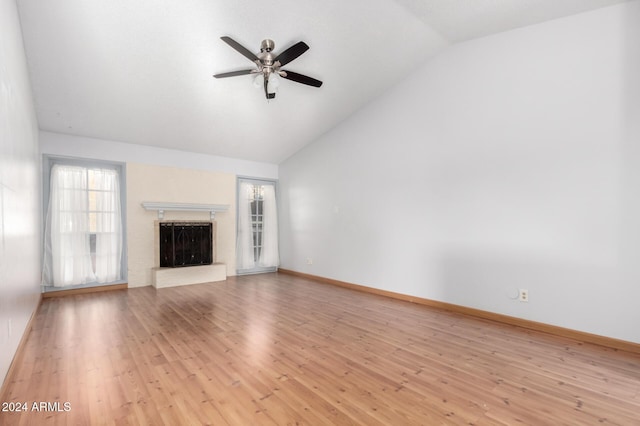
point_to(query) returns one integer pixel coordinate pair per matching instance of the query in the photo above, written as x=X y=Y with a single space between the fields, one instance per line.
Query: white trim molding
x=161 y=207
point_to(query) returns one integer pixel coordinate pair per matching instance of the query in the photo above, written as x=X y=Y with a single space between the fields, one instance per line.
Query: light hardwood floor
x=278 y=349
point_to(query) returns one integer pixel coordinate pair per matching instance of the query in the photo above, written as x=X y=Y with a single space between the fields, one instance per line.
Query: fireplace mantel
x=161 y=207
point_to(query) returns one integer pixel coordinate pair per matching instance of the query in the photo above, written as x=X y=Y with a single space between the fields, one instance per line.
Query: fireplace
x=185 y=250
x=185 y=244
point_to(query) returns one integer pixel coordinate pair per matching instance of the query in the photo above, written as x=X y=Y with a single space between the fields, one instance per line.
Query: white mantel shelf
x=162 y=207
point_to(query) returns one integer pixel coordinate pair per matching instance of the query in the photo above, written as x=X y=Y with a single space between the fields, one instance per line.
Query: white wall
x=19 y=190
x=85 y=147
x=503 y=163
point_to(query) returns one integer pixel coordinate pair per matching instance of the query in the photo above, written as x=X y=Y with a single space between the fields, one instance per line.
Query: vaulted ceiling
x=141 y=71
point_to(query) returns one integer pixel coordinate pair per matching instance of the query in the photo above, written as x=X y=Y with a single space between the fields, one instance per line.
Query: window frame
x=48 y=161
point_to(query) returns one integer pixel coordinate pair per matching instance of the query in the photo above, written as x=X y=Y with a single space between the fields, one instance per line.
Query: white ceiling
x=141 y=71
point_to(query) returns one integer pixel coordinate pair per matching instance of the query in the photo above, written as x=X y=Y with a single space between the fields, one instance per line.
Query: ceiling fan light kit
x=268 y=65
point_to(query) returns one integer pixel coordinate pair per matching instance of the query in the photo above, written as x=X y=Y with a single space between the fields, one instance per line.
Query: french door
x=257 y=237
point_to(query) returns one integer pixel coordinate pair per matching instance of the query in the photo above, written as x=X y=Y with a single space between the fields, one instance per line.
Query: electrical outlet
x=309 y=261
x=523 y=295
x=9 y=331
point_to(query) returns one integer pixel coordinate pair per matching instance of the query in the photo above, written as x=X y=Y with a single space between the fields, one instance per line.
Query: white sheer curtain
x=82 y=202
x=269 y=256
x=67 y=245
x=108 y=226
x=244 y=245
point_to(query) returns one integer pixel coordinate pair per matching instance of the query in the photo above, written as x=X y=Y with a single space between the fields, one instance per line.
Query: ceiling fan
x=268 y=65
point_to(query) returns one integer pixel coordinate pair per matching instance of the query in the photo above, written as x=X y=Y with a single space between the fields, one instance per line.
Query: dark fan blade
x=240 y=48
x=291 y=53
x=299 y=78
x=234 y=73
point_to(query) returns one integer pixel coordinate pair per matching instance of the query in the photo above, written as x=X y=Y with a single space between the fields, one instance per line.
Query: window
x=104 y=212
x=83 y=226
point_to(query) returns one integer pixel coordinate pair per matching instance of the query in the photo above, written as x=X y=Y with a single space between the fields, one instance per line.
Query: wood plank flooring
x=276 y=349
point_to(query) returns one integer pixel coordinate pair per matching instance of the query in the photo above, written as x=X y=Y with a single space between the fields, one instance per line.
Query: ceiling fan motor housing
x=267 y=45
